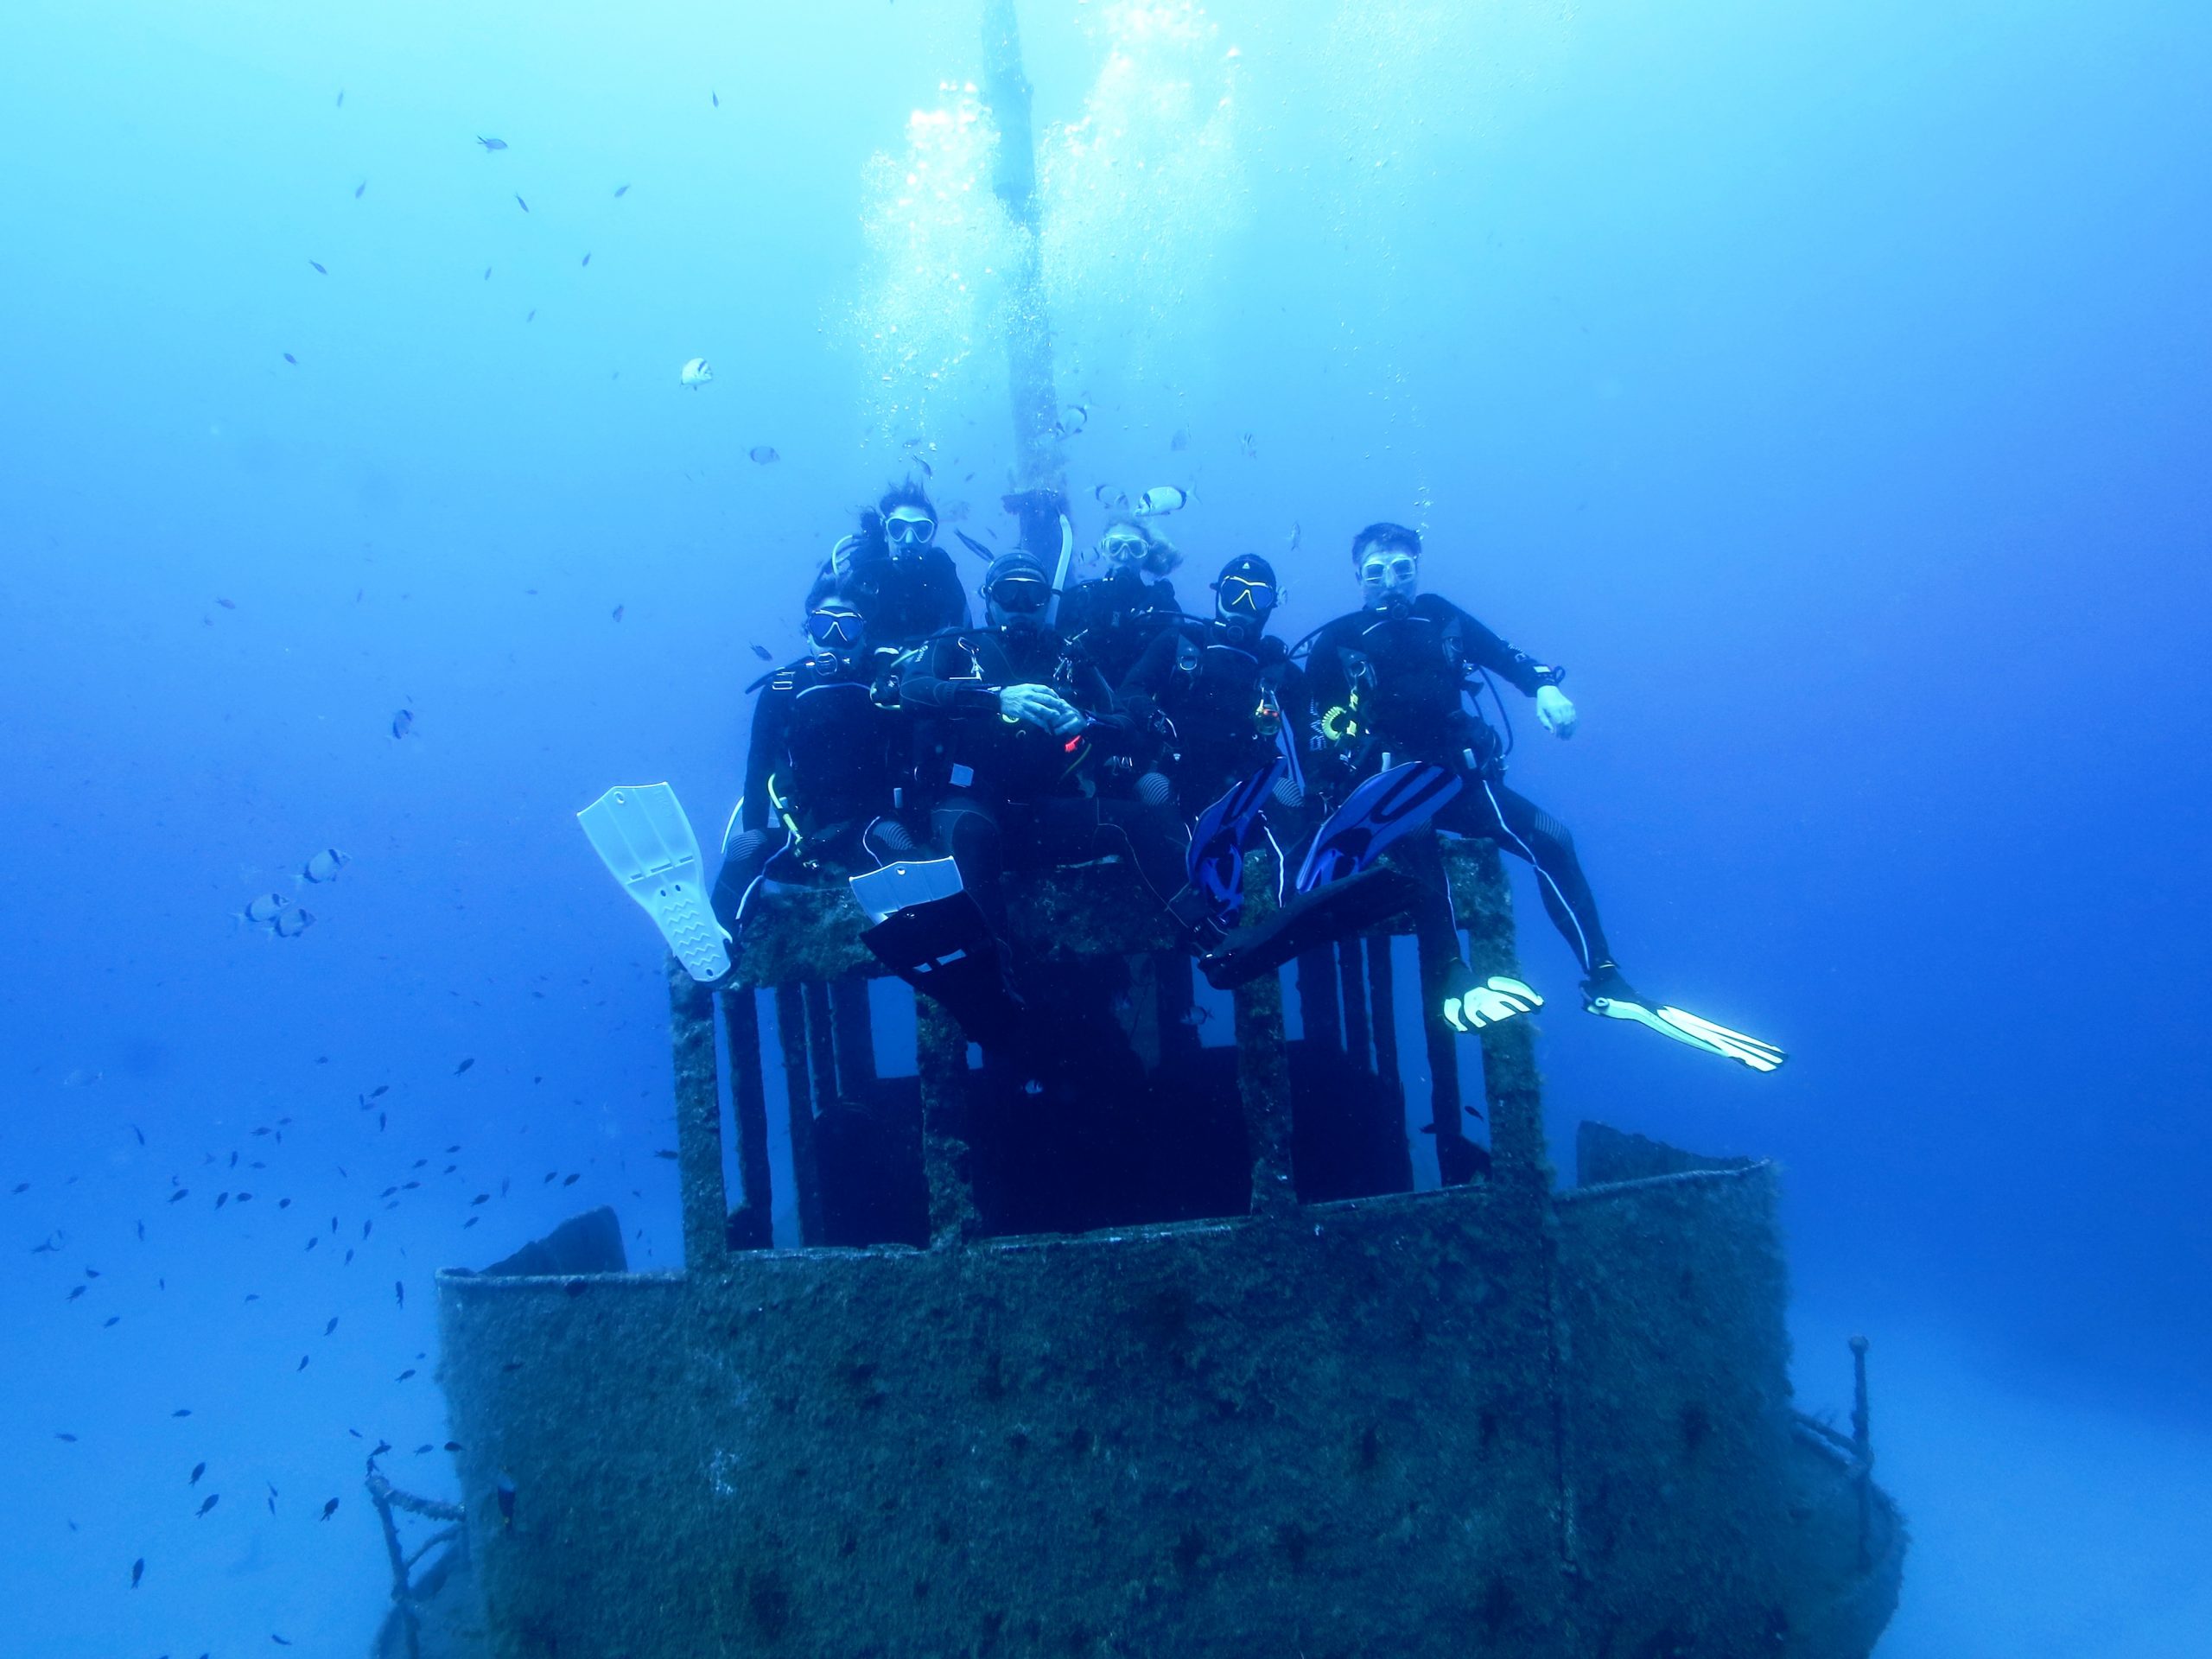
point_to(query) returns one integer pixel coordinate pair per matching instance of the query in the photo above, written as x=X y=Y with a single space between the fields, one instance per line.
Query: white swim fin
x=640 y=831
x=1607 y=993
x=883 y=892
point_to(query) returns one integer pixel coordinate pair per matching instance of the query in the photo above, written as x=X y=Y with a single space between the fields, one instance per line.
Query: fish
x=1252 y=449
x=505 y=1491
x=197 y=1470
x=766 y=656
x=403 y=722
x=82 y=1077
x=181 y=1411
x=341 y=98
x=664 y=1151
x=464 y=1065
x=111 y=1322
x=487 y=273
x=330 y=1508
x=1112 y=500
x=358 y=189
x=404 y=1374
x=141 y=1232
x=293 y=923
x=1296 y=531
x=617 y=612
x=620 y=191
x=74 y=1295
x=399 y=1291
x=532 y=317
x=212 y=1500
x=181 y=1192
x=64 y=1435
x=332 y=1326
x=321 y=269
x=281 y=1641
x=525 y=206
x=324 y=866
x=289 y=358
x=140 y=1133
x=301 y=1366
x=572 y=1180
x=491 y=144
x=379 y=1091
x=138 y=1571
x=1072 y=421
x=587 y=260
x=694 y=373
x=763 y=455
x=1179 y=443
x=717 y=97
x=1161 y=499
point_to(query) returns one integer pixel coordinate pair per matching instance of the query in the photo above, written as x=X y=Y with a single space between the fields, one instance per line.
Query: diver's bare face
x=1387 y=574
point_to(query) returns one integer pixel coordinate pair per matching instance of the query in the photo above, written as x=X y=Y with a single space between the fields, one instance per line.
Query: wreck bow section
x=1477 y=1419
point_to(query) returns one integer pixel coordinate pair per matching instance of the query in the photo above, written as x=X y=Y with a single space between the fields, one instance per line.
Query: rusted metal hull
x=1493 y=1418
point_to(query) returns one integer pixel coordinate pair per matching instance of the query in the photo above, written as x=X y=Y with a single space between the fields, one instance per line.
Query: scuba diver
x=1117 y=615
x=1389 y=681
x=1224 y=710
x=821 y=770
x=892 y=571
x=1009 y=725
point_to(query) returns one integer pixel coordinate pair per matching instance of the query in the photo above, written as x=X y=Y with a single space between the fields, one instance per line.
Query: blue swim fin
x=1373 y=816
x=1216 y=862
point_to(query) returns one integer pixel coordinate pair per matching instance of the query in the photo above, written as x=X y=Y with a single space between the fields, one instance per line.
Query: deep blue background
x=1825 y=385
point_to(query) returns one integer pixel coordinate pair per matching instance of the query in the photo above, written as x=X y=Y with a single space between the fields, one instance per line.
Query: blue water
x=1826 y=386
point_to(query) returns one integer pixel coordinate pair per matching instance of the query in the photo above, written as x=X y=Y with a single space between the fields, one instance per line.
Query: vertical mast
x=1037 y=457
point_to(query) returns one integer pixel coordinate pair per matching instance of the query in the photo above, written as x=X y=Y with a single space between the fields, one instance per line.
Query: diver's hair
x=873 y=543
x=905 y=494
x=1160 y=554
x=1382 y=533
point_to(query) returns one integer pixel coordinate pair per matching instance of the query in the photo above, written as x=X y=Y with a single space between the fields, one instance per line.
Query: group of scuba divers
x=922 y=757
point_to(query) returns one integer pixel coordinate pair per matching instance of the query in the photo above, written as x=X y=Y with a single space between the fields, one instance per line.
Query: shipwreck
x=1223 y=1384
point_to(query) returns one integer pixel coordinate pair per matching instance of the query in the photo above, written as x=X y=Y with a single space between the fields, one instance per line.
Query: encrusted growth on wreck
x=1489 y=1418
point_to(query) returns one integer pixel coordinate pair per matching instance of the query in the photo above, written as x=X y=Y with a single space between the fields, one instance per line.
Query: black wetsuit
x=1388 y=686
x=1116 y=616
x=1218 y=707
x=904 y=595
x=819 y=777
x=991 y=781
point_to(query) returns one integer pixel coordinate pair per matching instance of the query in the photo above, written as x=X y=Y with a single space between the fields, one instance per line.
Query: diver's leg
x=743 y=865
x=968 y=831
x=1466 y=1002
x=1535 y=835
x=1158 y=842
x=1436 y=925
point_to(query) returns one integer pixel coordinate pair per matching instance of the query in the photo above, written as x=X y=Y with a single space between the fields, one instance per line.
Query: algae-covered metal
x=1491 y=1418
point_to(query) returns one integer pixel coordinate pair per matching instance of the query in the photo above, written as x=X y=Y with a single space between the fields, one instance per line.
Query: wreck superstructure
x=1494 y=1417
